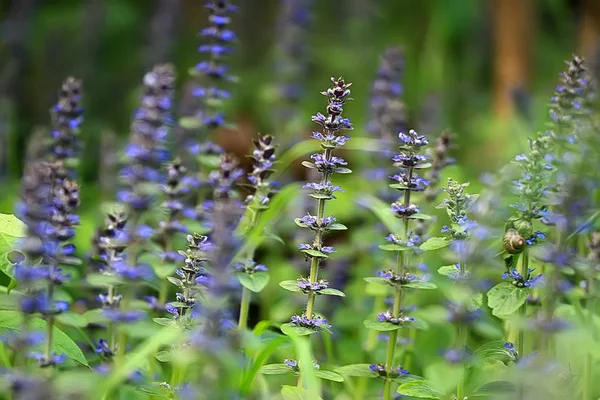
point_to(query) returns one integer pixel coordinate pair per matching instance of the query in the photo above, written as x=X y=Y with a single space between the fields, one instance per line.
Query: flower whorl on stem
x=326 y=164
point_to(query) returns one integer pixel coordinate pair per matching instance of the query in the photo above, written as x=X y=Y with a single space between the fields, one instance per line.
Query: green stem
x=314 y=263
x=49 y=325
x=522 y=313
x=462 y=336
x=244 y=307
x=588 y=372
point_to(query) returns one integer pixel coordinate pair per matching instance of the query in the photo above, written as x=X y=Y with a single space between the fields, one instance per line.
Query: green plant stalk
x=588 y=372
x=244 y=307
x=401 y=264
x=50 y=320
x=314 y=263
x=462 y=335
x=522 y=313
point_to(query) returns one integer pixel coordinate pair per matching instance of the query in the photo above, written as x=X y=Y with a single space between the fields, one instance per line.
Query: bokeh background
x=482 y=68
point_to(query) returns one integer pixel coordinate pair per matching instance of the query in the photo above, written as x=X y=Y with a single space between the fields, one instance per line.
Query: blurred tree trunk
x=512 y=33
x=15 y=33
x=589 y=34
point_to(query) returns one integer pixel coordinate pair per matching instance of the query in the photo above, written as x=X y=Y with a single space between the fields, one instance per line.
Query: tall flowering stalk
x=140 y=178
x=36 y=210
x=294 y=22
x=463 y=306
x=67 y=115
x=409 y=160
x=210 y=76
x=388 y=111
x=326 y=164
x=252 y=276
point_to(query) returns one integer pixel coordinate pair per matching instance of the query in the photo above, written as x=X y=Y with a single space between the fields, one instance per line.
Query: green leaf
x=494 y=351
x=275 y=369
x=494 y=388
x=11 y=229
x=315 y=253
x=419 y=285
x=388 y=326
x=505 y=298
x=290 y=285
x=394 y=247
x=343 y=170
x=12 y=322
x=436 y=242
x=164 y=321
x=331 y=292
x=210 y=161
x=381 y=326
x=72 y=319
x=254 y=282
x=422 y=165
x=337 y=227
x=319 y=196
x=294 y=330
x=164 y=356
x=420 y=389
x=449 y=271
x=377 y=280
x=329 y=375
x=190 y=122
x=308 y=164
x=424 y=217
x=358 y=370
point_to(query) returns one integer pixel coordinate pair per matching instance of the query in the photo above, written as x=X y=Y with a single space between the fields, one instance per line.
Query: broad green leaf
x=419 y=285
x=494 y=388
x=295 y=330
x=505 y=298
x=381 y=326
x=275 y=369
x=377 y=280
x=420 y=389
x=329 y=375
x=444 y=376
x=315 y=253
x=436 y=242
x=359 y=370
x=12 y=322
x=164 y=356
x=72 y=319
x=254 y=282
x=210 y=161
x=394 y=247
x=424 y=217
x=95 y=316
x=290 y=285
x=343 y=170
x=337 y=227
x=449 y=270
x=11 y=229
x=332 y=292
x=494 y=351
x=164 y=321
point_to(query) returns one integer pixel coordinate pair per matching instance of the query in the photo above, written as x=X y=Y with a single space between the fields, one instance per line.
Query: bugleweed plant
x=169 y=297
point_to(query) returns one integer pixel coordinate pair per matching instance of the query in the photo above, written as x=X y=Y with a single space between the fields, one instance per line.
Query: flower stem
x=462 y=335
x=314 y=264
x=49 y=323
x=244 y=307
x=522 y=314
x=588 y=374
